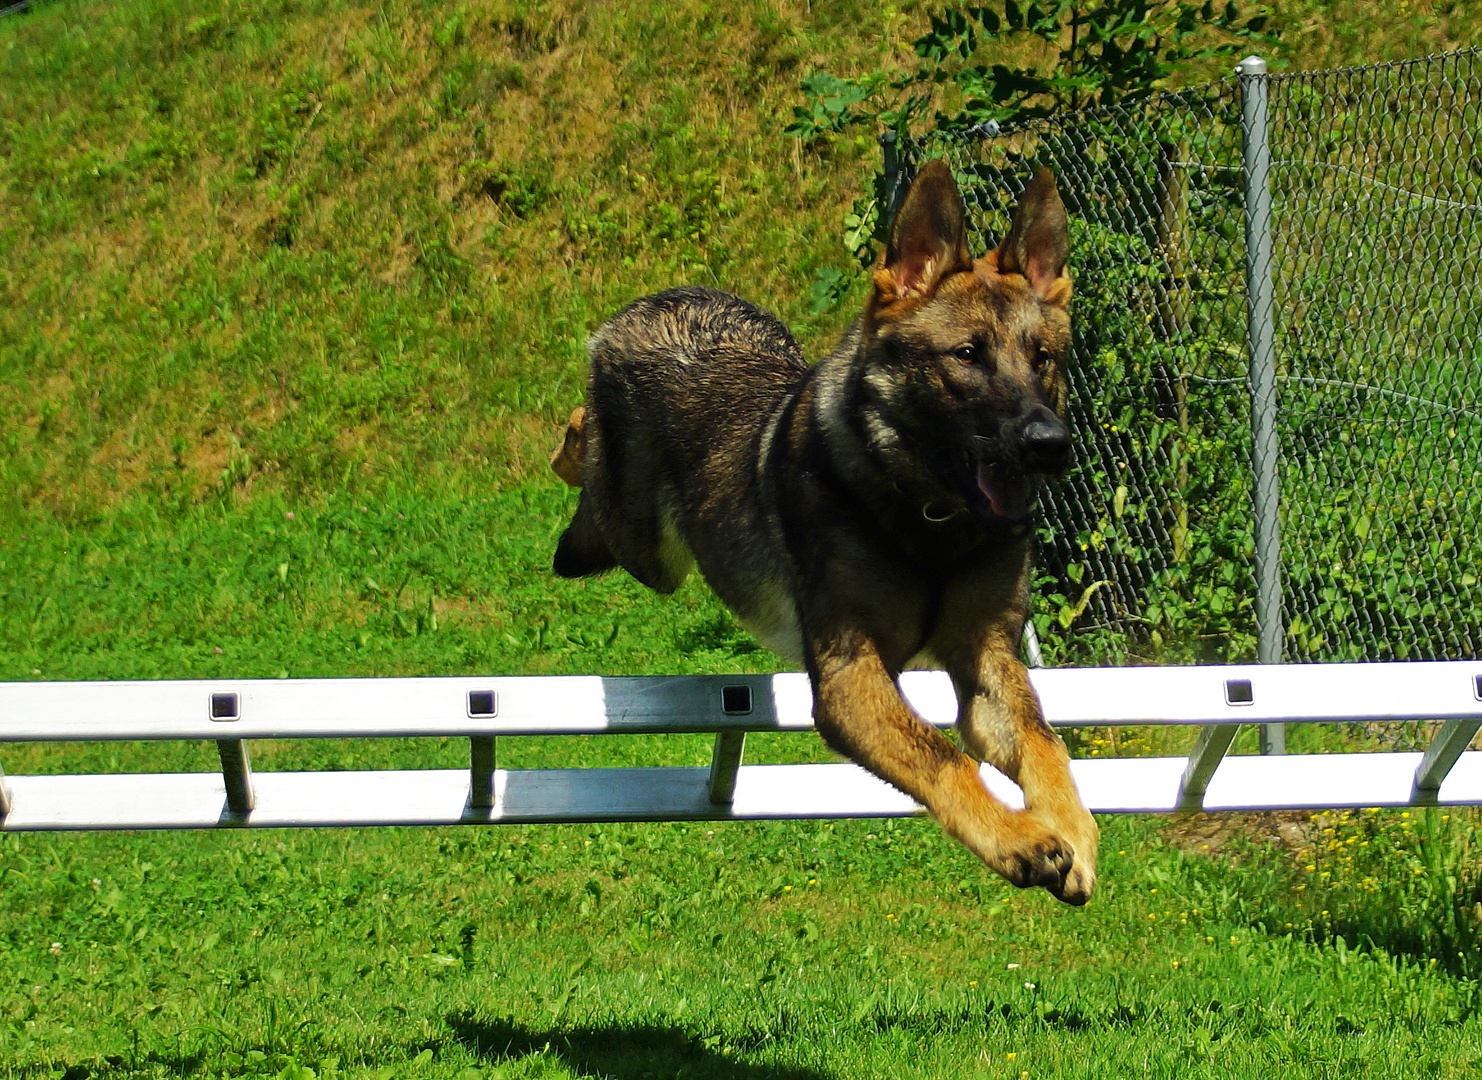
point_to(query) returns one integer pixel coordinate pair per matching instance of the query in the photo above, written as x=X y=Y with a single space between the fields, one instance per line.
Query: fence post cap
x=1251 y=65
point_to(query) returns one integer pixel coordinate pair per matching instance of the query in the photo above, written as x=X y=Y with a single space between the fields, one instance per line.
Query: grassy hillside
x=314 y=256
x=320 y=247
x=315 y=247
x=322 y=257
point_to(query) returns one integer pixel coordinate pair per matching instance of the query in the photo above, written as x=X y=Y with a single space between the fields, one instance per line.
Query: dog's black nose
x=1045 y=444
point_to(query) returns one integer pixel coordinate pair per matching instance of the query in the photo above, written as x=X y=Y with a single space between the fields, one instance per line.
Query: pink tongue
x=1009 y=497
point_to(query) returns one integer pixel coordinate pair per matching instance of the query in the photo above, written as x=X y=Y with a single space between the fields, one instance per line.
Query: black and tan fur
x=866 y=512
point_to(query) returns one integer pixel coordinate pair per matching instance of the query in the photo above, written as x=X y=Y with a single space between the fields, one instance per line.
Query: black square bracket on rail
x=1239 y=692
x=483 y=703
x=226 y=707
x=735 y=700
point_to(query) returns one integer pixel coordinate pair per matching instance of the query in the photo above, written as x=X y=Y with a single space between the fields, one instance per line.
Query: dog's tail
x=582 y=550
x=566 y=459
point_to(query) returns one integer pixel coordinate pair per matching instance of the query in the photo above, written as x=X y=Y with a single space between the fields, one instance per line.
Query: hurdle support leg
x=236 y=771
x=481 y=771
x=6 y=802
x=1453 y=738
x=1214 y=742
x=725 y=761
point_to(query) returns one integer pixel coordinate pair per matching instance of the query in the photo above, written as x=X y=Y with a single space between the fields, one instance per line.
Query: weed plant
x=1407 y=882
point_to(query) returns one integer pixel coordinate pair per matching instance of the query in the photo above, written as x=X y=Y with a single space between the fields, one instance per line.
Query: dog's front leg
x=860 y=713
x=1000 y=722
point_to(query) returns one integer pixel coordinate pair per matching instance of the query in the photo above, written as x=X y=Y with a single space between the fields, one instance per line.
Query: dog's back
x=683 y=388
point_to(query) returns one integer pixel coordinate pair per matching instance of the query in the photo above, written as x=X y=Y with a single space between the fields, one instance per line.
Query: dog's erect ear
x=1038 y=242
x=928 y=239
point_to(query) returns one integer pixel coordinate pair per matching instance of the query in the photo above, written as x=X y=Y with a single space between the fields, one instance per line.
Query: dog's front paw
x=1081 y=835
x=1076 y=886
x=1032 y=856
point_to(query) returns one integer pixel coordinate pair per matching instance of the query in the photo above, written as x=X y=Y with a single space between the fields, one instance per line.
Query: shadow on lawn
x=620 y=1052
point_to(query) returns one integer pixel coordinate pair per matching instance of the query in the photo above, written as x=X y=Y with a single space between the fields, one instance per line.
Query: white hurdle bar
x=232 y=712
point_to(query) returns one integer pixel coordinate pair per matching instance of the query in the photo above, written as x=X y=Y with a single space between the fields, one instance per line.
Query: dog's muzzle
x=1008 y=471
x=1044 y=444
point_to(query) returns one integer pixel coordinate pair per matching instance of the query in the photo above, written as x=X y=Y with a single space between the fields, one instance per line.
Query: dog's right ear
x=928 y=239
x=1038 y=242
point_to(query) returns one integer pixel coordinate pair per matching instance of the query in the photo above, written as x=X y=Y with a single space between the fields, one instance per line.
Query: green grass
x=818 y=949
x=859 y=949
x=312 y=247
x=291 y=308
x=404 y=583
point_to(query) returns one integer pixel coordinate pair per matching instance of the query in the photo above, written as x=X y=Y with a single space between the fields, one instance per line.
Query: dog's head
x=971 y=353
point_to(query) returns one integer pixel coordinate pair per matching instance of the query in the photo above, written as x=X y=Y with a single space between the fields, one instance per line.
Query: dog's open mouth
x=1010 y=493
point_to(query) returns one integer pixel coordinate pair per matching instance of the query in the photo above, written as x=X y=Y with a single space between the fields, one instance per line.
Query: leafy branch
x=1102 y=55
x=1098 y=55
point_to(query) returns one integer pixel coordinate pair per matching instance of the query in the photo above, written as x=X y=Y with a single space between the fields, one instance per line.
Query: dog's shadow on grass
x=720 y=633
x=619 y=1052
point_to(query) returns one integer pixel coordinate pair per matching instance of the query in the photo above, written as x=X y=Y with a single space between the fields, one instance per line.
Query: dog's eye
x=966 y=354
x=1041 y=359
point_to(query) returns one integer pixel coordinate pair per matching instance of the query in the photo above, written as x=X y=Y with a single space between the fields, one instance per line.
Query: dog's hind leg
x=582 y=549
x=626 y=515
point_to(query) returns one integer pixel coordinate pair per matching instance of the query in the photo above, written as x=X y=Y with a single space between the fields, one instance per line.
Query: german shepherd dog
x=867 y=511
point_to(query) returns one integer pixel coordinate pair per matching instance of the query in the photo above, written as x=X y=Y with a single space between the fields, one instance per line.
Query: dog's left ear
x=1038 y=243
x=928 y=239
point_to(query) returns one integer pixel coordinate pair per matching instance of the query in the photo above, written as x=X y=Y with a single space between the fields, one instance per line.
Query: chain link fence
x=1340 y=518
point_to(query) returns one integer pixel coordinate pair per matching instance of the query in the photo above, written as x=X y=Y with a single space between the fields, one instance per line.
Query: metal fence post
x=891 y=170
x=1260 y=334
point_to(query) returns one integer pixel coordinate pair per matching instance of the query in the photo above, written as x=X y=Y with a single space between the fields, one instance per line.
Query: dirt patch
x=1212 y=834
x=207 y=461
x=121 y=465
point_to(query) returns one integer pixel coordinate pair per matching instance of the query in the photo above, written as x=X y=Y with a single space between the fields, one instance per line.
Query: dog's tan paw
x=1032 y=857
x=1079 y=832
x=1045 y=864
x=1059 y=856
x=1076 y=886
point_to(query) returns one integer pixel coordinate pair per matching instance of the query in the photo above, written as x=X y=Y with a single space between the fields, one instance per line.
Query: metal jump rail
x=232 y=712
